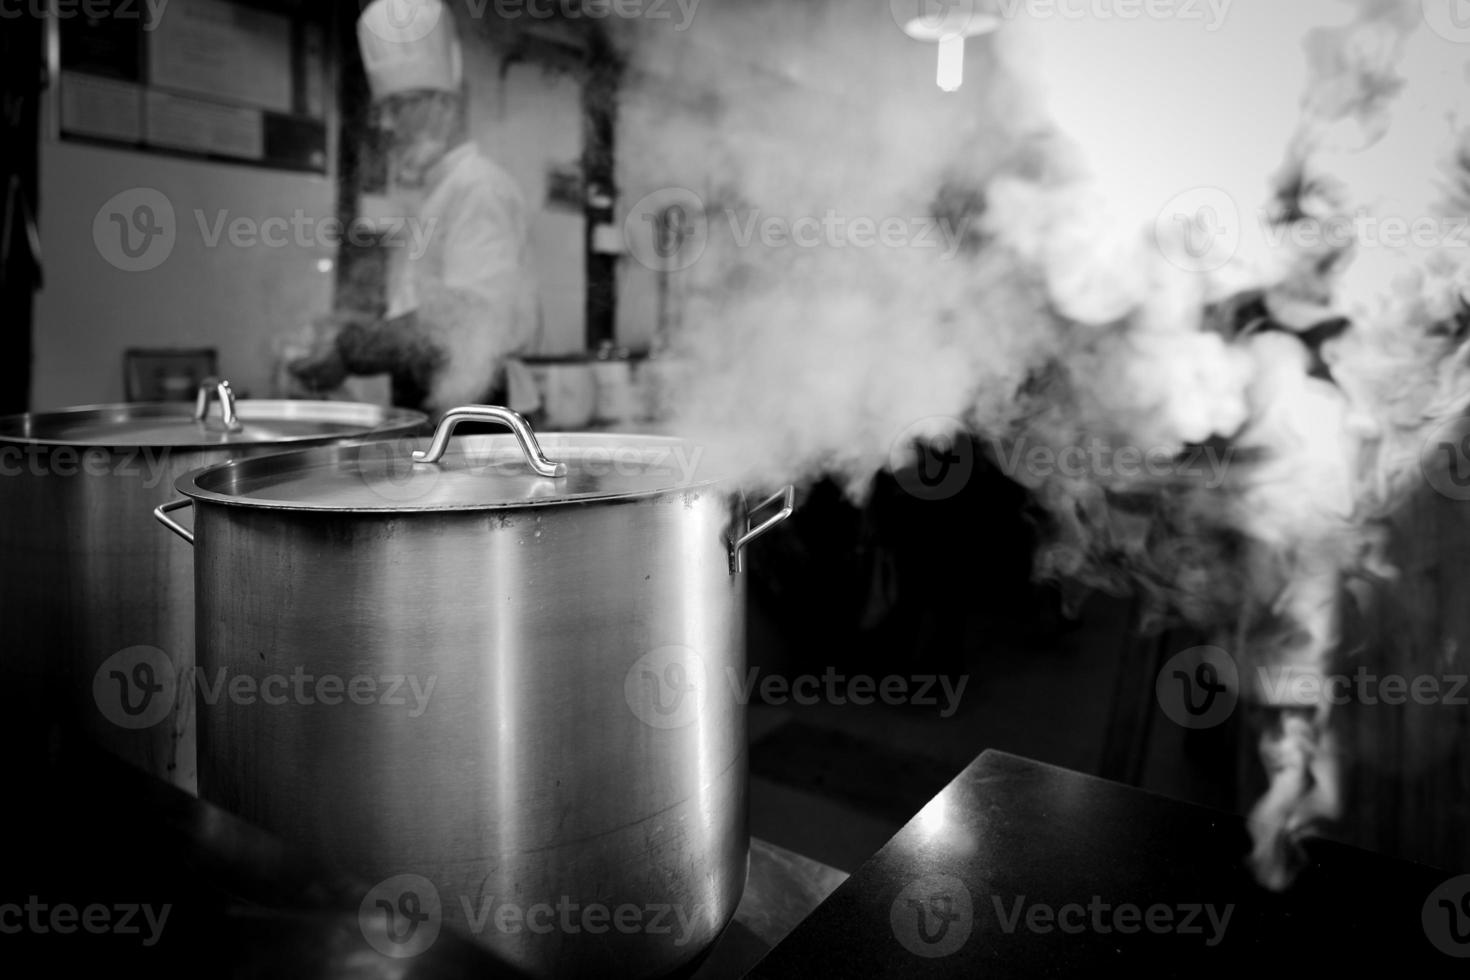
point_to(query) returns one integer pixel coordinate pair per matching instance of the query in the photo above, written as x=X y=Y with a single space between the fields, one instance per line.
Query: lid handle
x=491 y=413
x=226 y=395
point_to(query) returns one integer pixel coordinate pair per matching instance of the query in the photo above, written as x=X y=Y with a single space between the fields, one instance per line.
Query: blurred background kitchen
x=650 y=152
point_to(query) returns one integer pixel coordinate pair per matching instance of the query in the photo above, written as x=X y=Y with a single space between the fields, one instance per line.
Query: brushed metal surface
x=469 y=473
x=540 y=769
x=284 y=423
x=86 y=573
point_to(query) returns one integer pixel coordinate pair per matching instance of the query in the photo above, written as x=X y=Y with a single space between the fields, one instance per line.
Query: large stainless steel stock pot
x=96 y=607
x=503 y=687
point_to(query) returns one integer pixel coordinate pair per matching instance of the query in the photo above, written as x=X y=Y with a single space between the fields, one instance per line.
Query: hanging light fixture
x=949 y=28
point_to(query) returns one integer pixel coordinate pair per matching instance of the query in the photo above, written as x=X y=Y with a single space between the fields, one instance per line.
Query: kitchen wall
x=246 y=300
x=237 y=299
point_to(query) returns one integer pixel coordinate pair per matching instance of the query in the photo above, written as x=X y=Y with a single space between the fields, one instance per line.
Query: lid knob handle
x=226 y=395
x=491 y=413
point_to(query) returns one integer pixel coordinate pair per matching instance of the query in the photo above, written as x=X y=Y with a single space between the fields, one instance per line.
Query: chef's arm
x=394 y=346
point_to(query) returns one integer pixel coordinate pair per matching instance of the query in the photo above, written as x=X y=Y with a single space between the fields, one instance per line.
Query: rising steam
x=1164 y=237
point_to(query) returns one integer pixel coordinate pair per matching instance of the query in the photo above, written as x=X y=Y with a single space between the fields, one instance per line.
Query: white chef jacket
x=462 y=264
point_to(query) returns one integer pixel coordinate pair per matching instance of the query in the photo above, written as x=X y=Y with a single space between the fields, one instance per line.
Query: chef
x=460 y=297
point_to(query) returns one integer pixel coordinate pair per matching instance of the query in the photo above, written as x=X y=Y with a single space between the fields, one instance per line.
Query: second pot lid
x=207 y=424
x=467 y=473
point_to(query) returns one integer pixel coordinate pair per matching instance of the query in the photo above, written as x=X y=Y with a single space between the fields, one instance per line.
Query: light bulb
x=951 y=62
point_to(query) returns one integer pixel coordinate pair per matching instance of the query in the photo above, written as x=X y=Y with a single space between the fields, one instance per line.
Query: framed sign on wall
x=244 y=81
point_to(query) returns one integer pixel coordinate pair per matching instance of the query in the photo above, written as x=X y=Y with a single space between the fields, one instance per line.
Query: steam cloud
x=1130 y=202
x=1249 y=238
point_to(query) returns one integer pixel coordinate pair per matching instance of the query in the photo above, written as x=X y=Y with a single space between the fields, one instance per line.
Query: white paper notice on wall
x=224 y=51
x=92 y=106
x=204 y=127
x=608 y=239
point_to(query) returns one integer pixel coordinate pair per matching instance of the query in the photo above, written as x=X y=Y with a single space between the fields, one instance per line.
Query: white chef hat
x=407 y=45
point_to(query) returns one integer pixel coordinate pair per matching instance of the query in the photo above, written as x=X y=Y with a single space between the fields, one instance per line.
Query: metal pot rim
x=215 y=483
x=353 y=417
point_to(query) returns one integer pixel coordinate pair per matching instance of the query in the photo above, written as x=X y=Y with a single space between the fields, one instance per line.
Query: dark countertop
x=91 y=833
x=1011 y=835
x=87 y=835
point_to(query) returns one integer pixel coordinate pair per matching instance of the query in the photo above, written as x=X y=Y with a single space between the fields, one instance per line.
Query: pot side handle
x=162 y=511
x=787 y=498
x=491 y=413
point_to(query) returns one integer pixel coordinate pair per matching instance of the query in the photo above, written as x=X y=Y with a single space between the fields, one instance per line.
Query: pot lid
x=200 y=426
x=477 y=472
